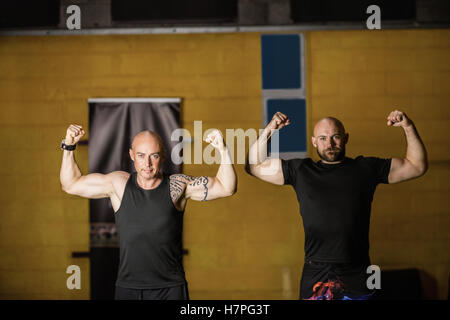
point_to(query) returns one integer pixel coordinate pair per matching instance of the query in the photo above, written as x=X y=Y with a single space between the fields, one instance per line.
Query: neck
x=332 y=162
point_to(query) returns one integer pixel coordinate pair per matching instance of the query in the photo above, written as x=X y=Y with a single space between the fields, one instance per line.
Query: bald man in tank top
x=148 y=207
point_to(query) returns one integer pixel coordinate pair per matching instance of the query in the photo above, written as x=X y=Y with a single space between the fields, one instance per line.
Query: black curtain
x=112 y=126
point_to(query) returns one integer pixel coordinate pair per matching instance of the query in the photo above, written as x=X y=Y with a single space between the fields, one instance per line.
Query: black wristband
x=68 y=147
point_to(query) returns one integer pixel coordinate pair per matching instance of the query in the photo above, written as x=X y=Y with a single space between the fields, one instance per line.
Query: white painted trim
x=283 y=93
x=289 y=155
x=153 y=100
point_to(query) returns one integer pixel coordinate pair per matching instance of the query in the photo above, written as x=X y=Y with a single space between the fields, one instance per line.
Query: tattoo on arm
x=201 y=181
x=178 y=184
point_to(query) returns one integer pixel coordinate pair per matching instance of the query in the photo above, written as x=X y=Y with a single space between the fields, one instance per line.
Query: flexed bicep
x=184 y=187
x=203 y=188
x=92 y=186
x=206 y=188
x=270 y=171
x=403 y=170
x=200 y=188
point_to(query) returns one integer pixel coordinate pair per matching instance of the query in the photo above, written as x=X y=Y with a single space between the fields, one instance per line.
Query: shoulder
x=376 y=164
x=180 y=181
x=117 y=181
x=118 y=177
x=183 y=180
x=178 y=185
x=180 y=177
x=362 y=158
x=297 y=162
x=292 y=169
x=379 y=168
x=371 y=160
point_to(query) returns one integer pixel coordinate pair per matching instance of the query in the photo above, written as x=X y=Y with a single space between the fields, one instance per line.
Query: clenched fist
x=279 y=120
x=74 y=134
x=398 y=119
x=215 y=139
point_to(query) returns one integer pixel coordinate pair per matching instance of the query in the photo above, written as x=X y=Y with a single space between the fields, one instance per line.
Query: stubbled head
x=330 y=139
x=147 y=152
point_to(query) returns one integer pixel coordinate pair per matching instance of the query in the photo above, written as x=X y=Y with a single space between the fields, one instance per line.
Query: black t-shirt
x=335 y=202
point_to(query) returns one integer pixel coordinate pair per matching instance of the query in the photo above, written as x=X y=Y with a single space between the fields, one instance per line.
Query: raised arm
x=92 y=186
x=203 y=188
x=258 y=165
x=415 y=163
x=224 y=184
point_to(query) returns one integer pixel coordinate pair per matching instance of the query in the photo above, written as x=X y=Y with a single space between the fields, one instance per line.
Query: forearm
x=416 y=153
x=226 y=174
x=69 y=172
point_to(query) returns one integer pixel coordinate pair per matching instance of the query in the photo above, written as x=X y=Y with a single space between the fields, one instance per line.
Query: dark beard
x=339 y=154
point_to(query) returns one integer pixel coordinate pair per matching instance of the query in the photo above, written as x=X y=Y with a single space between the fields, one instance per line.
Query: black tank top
x=150 y=232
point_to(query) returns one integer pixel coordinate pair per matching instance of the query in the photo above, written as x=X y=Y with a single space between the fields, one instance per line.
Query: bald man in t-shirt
x=335 y=196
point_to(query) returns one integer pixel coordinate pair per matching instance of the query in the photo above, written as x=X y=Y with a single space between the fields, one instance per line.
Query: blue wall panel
x=292 y=137
x=281 y=67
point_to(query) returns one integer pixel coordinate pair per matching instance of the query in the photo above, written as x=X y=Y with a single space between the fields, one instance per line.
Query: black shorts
x=334 y=280
x=171 y=293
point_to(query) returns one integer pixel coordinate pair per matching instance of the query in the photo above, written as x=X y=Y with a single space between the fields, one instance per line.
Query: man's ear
x=313 y=141
x=131 y=154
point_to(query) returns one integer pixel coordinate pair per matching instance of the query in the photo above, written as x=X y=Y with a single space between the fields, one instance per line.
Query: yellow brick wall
x=250 y=245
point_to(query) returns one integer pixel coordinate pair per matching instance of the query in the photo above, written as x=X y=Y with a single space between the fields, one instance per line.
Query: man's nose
x=329 y=143
x=332 y=143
